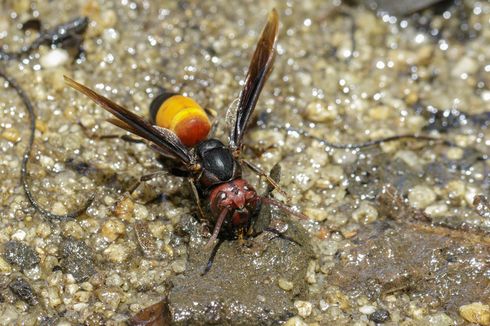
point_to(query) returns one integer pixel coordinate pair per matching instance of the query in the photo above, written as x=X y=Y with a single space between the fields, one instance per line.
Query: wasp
x=214 y=169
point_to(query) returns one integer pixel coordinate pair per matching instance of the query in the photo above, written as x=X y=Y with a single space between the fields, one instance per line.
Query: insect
x=214 y=169
x=65 y=34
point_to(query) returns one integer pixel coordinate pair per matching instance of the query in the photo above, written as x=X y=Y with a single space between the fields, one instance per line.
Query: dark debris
x=77 y=259
x=20 y=254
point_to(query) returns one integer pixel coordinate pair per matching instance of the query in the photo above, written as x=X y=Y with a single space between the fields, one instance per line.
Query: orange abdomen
x=182 y=115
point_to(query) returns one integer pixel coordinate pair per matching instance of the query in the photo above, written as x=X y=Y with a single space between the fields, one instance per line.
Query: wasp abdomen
x=182 y=115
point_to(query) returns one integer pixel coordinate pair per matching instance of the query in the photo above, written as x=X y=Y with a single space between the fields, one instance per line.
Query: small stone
x=485 y=96
x=318 y=214
x=54 y=58
x=455 y=153
x=380 y=316
x=424 y=55
x=436 y=210
x=285 y=284
x=465 y=66
x=124 y=208
x=82 y=296
x=43 y=230
x=19 y=235
x=11 y=134
x=18 y=253
x=80 y=306
x=344 y=157
x=59 y=209
x=455 y=190
x=365 y=214
x=410 y=158
x=23 y=290
x=178 y=266
x=439 y=319
x=310 y=272
x=4 y=266
x=380 y=112
x=318 y=111
x=73 y=229
x=53 y=297
x=421 y=196
x=111 y=296
x=112 y=229
x=295 y=321
x=9 y=315
x=117 y=253
x=77 y=259
x=367 y=309
x=304 y=308
x=476 y=312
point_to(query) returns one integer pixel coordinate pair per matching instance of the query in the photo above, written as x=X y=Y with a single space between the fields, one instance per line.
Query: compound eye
x=222 y=196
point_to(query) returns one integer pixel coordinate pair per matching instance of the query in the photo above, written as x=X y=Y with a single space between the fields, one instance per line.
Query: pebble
x=19 y=235
x=178 y=266
x=318 y=214
x=111 y=296
x=455 y=190
x=365 y=214
x=59 y=208
x=318 y=111
x=465 y=65
x=380 y=316
x=410 y=158
x=344 y=157
x=117 y=253
x=476 y=312
x=23 y=290
x=439 y=319
x=73 y=229
x=9 y=315
x=381 y=112
x=11 y=134
x=421 y=196
x=54 y=58
x=295 y=321
x=285 y=284
x=310 y=272
x=304 y=308
x=112 y=229
x=18 y=253
x=5 y=268
x=367 y=309
x=124 y=208
x=77 y=259
x=455 y=153
x=436 y=210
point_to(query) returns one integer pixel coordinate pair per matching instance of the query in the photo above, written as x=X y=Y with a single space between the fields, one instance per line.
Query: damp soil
x=397 y=233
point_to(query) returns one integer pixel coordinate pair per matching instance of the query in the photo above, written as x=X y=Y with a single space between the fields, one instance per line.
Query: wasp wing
x=258 y=72
x=127 y=120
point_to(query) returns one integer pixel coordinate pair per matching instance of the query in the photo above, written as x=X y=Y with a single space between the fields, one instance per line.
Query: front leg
x=275 y=172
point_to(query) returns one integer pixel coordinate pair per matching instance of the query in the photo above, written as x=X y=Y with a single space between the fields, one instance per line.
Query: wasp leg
x=282 y=236
x=211 y=257
x=269 y=179
x=143 y=178
x=202 y=217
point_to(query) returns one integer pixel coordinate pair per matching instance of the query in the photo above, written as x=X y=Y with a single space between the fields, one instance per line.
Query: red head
x=237 y=197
